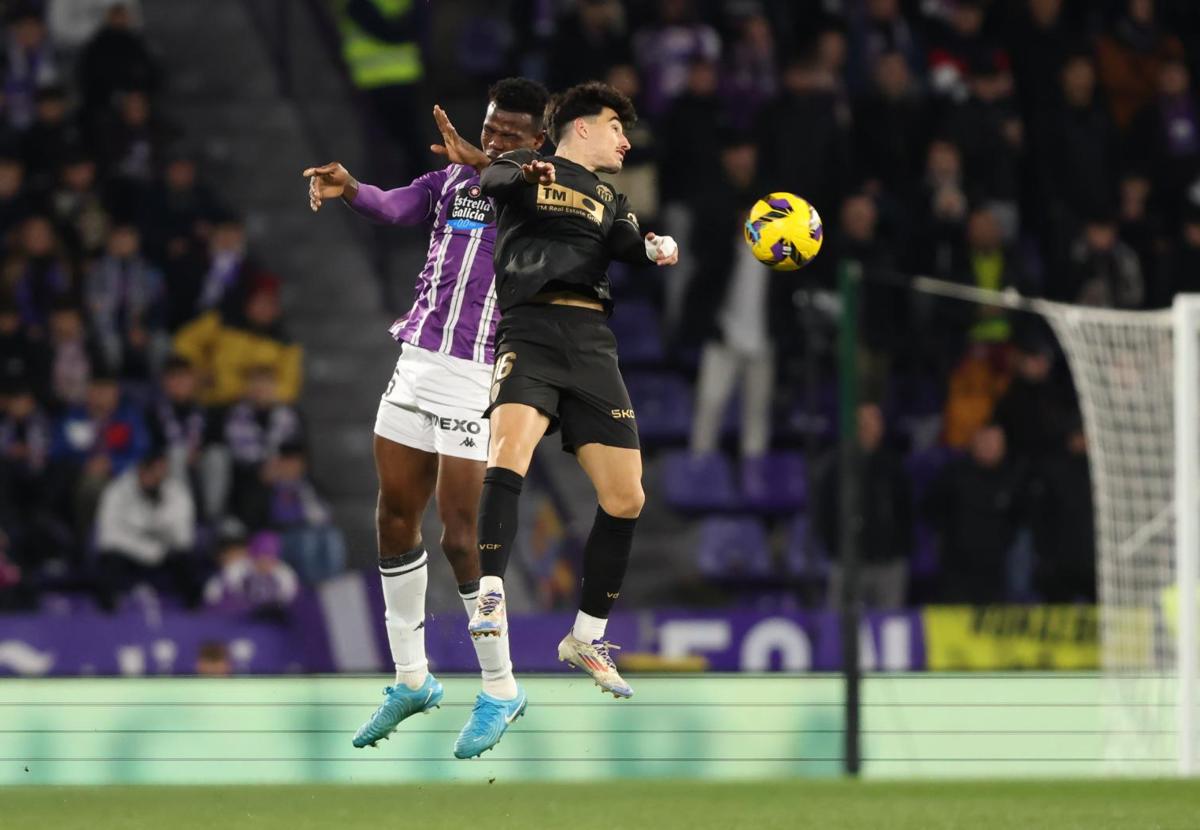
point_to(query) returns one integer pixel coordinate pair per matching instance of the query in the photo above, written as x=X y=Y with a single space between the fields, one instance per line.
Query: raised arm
x=508 y=176
x=626 y=243
x=400 y=206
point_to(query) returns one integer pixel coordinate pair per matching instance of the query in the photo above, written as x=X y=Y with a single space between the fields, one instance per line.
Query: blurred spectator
x=49 y=140
x=976 y=508
x=1034 y=410
x=884 y=302
x=1064 y=524
x=179 y=423
x=880 y=28
x=94 y=442
x=1104 y=271
x=74 y=22
x=78 y=209
x=1142 y=226
x=986 y=262
x=311 y=543
x=891 y=130
x=132 y=143
x=254 y=429
x=1078 y=157
x=1183 y=269
x=988 y=130
x=978 y=380
x=690 y=128
x=39 y=273
x=145 y=531
x=590 y=39
x=126 y=304
x=251 y=577
x=30 y=63
x=802 y=136
x=25 y=435
x=885 y=525
x=737 y=311
x=1039 y=41
x=73 y=358
x=229 y=270
x=962 y=56
x=15 y=204
x=939 y=213
x=223 y=348
x=381 y=47
x=180 y=210
x=213 y=660
x=1128 y=59
x=1164 y=138
x=638 y=179
x=749 y=75
x=666 y=49
x=116 y=59
x=21 y=361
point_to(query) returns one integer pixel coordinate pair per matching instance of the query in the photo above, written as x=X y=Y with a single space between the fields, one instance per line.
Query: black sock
x=605 y=558
x=498 y=518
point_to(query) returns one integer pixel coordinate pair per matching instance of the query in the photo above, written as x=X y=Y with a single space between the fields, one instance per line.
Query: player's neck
x=572 y=153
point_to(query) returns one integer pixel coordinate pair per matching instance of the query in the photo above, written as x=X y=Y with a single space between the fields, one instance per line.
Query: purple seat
x=804 y=557
x=697 y=484
x=923 y=467
x=638 y=330
x=774 y=483
x=733 y=548
x=663 y=403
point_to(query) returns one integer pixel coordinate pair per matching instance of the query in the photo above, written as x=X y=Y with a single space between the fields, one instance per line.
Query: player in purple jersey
x=430 y=434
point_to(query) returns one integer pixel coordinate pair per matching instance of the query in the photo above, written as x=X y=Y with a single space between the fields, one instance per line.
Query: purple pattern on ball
x=818 y=232
x=778 y=251
x=780 y=204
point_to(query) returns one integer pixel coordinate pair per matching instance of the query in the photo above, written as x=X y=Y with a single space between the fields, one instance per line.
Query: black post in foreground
x=849 y=282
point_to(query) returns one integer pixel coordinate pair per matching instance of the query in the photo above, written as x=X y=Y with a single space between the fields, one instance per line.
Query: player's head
x=588 y=121
x=515 y=118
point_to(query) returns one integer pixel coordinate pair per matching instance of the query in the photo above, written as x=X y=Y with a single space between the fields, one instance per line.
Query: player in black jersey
x=558 y=228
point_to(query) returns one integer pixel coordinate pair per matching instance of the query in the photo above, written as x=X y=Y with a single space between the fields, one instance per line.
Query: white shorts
x=435 y=402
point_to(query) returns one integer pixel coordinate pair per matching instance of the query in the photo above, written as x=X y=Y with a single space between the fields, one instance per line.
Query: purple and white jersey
x=455 y=310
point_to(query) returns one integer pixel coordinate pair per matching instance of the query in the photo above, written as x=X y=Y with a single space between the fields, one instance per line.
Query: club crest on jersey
x=470 y=210
x=604 y=192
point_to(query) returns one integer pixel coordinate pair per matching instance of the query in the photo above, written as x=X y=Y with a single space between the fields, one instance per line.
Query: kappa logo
x=468 y=442
x=604 y=192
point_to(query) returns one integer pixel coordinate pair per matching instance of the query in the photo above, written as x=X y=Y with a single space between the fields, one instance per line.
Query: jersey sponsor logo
x=604 y=192
x=455 y=424
x=623 y=414
x=470 y=210
x=554 y=198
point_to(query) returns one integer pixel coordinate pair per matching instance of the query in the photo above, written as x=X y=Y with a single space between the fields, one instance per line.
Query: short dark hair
x=587 y=99
x=521 y=95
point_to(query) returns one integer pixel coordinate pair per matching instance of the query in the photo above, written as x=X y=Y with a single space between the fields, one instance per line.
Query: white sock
x=491 y=584
x=588 y=628
x=493 y=656
x=404 y=597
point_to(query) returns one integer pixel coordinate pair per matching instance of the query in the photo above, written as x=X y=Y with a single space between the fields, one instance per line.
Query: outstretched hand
x=454 y=147
x=329 y=181
x=662 y=250
x=538 y=172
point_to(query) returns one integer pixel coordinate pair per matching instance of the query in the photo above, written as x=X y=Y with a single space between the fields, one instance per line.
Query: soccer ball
x=784 y=231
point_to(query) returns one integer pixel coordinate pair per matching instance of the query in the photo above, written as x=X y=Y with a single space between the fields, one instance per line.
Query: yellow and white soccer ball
x=784 y=231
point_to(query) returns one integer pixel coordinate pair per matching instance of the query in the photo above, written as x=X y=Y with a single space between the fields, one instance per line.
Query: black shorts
x=562 y=360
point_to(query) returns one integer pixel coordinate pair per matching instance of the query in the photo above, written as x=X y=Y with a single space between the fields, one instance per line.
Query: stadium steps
x=223 y=92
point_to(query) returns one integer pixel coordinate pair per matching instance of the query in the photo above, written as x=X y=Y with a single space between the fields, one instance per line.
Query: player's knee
x=624 y=502
x=398 y=529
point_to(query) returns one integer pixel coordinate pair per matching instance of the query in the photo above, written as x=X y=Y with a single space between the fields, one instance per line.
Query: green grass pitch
x=654 y=805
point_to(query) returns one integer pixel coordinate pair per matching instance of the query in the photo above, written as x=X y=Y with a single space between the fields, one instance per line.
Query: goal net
x=1137 y=375
x=1138 y=378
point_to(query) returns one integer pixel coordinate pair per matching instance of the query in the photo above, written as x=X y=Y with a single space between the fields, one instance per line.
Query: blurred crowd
x=1051 y=146
x=149 y=436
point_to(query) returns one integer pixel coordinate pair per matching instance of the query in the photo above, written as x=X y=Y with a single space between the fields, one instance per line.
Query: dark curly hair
x=521 y=95
x=587 y=99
